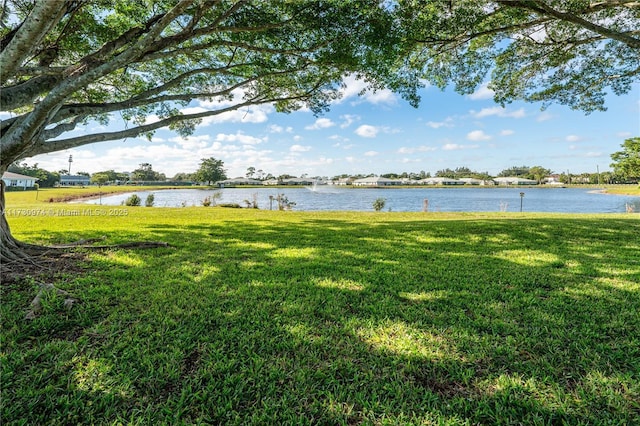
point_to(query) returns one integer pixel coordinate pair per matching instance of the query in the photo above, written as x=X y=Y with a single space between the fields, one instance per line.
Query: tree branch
x=62 y=128
x=542 y=7
x=26 y=93
x=149 y=98
x=28 y=127
x=44 y=147
x=42 y=18
x=465 y=37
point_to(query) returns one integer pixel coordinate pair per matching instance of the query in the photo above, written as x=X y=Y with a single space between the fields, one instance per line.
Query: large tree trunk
x=11 y=251
x=18 y=256
x=18 y=259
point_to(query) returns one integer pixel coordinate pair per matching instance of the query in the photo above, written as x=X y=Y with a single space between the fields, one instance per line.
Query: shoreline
x=630 y=190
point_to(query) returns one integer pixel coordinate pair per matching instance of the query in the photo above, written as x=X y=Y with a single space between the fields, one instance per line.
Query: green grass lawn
x=624 y=190
x=62 y=194
x=265 y=317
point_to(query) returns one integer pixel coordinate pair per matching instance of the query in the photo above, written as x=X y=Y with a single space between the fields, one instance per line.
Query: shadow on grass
x=337 y=322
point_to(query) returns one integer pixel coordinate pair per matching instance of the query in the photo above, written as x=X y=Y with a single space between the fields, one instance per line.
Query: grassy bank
x=260 y=317
x=624 y=190
x=61 y=195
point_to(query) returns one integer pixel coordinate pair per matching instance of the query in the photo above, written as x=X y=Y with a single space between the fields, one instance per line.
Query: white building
x=15 y=180
x=441 y=181
x=472 y=181
x=238 y=182
x=343 y=181
x=376 y=181
x=513 y=180
x=74 y=180
x=297 y=181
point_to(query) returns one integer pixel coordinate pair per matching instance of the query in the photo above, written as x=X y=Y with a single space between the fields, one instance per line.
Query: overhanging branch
x=541 y=7
x=42 y=18
x=45 y=147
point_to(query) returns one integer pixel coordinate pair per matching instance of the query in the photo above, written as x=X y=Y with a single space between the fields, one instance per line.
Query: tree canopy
x=46 y=179
x=554 y=51
x=146 y=173
x=67 y=62
x=210 y=171
x=627 y=161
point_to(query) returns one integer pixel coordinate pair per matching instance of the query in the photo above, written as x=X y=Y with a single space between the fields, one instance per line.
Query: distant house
x=297 y=181
x=239 y=181
x=74 y=180
x=472 y=181
x=376 y=181
x=271 y=182
x=441 y=181
x=344 y=181
x=513 y=180
x=18 y=181
x=553 y=180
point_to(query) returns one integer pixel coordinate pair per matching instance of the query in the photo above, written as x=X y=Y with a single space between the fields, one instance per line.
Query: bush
x=379 y=203
x=133 y=200
x=284 y=203
x=211 y=200
x=149 y=201
x=253 y=203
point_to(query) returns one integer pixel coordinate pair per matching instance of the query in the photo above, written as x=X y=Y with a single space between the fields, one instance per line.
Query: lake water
x=473 y=199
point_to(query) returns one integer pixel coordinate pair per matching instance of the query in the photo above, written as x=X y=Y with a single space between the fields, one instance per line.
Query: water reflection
x=570 y=200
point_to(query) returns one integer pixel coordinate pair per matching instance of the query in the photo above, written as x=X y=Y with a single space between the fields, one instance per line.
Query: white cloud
x=238 y=137
x=448 y=122
x=338 y=138
x=506 y=132
x=191 y=142
x=478 y=135
x=371 y=153
x=342 y=142
x=254 y=114
x=499 y=112
x=593 y=154
x=544 y=116
x=299 y=148
x=573 y=138
x=358 y=88
x=411 y=160
x=623 y=134
x=457 y=147
x=321 y=123
x=483 y=92
x=348 y=120
x=413 y=150
x=274 y=128
x=367 y=131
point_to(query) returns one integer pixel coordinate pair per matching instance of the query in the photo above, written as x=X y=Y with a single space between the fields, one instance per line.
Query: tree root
x=43 y=263
x=36 y=303
x=133 y=244
x=88 y=244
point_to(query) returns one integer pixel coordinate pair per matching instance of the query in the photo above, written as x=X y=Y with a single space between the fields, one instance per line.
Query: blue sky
x=377 y=133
